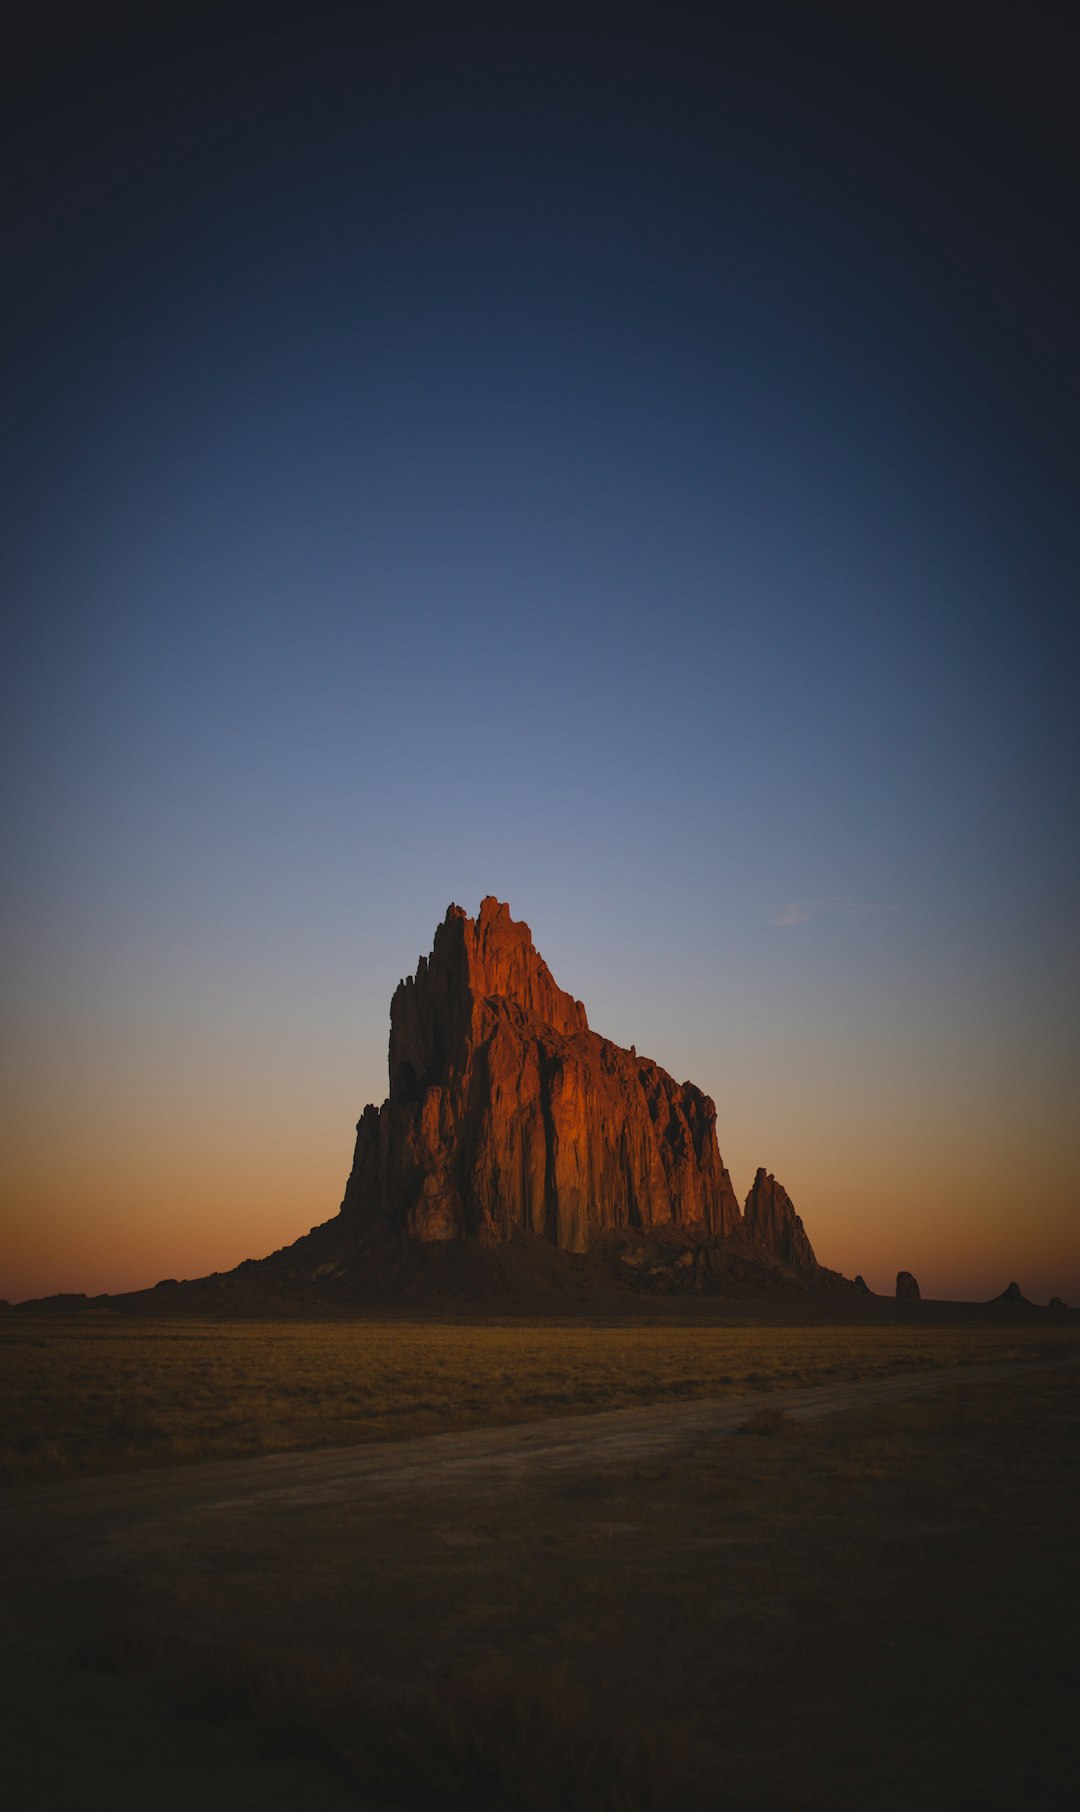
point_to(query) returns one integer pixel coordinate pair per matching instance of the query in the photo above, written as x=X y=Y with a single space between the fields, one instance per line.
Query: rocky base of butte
x=508 y=1116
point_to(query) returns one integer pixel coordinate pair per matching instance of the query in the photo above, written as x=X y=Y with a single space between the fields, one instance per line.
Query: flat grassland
x=86 y=1394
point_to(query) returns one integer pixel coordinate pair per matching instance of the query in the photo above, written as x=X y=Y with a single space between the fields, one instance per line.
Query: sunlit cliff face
x=506 y=1114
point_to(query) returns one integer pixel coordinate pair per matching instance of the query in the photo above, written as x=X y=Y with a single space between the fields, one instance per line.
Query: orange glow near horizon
x=108 y=1209
x=160 y=1129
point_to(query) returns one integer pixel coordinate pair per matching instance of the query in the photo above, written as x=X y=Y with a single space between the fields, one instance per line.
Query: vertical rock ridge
x=506 y=1113
x=770 y=1221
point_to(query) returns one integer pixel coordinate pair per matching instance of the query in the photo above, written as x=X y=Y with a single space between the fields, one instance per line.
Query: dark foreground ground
x=874 y=1607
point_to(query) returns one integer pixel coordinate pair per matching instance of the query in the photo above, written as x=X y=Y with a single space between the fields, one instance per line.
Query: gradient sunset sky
x=622 y=459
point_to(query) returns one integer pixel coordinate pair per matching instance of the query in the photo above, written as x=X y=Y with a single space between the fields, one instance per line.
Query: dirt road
x=866 y=1588
x=105 y=1517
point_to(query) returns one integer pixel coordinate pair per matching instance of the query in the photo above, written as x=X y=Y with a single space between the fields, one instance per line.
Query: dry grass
x=87 y=1395
x=484 y=1739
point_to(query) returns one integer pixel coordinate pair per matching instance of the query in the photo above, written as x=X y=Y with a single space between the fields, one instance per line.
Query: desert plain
x=688 y=1562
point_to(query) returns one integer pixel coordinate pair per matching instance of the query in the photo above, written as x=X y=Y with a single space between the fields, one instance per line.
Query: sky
x=622 y=459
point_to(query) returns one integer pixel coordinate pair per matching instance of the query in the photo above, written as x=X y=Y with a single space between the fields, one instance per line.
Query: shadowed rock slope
x=771 y=1223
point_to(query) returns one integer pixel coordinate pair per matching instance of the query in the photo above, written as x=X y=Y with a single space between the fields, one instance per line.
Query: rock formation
x=771 y=1222
x=1011 y=1293
x=507 y=1114
x=521 y=1163
x=906 y=1286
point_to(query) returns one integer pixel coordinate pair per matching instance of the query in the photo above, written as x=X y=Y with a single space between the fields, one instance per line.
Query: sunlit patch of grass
x=101 y=1395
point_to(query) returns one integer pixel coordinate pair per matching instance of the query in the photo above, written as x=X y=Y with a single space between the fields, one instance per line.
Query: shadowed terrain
x=865 y=1600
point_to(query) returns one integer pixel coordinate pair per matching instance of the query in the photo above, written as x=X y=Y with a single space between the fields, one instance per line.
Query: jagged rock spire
x=507 y=1113
x=770 y=1221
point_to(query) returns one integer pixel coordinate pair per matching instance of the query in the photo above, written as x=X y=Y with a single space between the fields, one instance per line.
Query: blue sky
x=626 y=471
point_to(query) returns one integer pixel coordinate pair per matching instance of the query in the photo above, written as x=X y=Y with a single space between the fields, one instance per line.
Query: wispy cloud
x=796 y=912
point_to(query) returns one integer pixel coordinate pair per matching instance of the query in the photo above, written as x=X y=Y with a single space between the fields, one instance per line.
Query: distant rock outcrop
x=907 y=1286
x=771 y=1222
x=1011 y=1293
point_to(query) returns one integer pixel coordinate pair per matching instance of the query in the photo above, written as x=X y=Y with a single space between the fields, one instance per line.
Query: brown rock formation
x=907 y=1286
x=770 y=1221
x=507 y=1114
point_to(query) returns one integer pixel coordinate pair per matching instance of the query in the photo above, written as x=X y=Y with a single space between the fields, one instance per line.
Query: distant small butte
x=521 y=1162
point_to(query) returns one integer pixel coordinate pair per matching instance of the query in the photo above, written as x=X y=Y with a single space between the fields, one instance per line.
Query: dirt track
x=107 y=1516
x=869 y=1589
